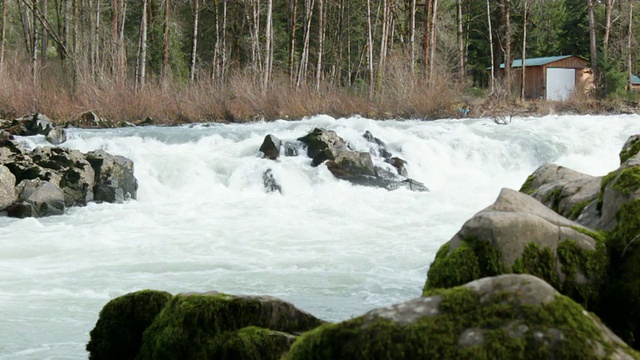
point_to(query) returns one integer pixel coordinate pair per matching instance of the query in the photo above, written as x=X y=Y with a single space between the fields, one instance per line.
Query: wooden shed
x=552 y=78
x=635 y=82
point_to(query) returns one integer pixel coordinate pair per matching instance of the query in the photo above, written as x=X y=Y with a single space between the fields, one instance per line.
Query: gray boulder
x=630 y=148
x=38 y=124
x=323 y=145
x=115 y=181
x=56 y=136
x=518 y=234
x=290 y=148
x=503 y=317
x=75 y=175
x=271 y=147
x=8 y=194
x=563 y=190
x=379 y=147
x=37 y=198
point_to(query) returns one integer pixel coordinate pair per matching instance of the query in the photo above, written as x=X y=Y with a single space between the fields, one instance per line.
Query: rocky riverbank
x=46 y=180
x=550 y=271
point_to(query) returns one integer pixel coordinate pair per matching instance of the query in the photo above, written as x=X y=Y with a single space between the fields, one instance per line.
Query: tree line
x=351 y=44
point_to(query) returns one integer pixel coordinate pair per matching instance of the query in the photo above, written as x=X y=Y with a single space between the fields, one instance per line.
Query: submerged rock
x=269 y=182
x=380 y=148
x=518 y=234
x=122 y=321
x=504 y=317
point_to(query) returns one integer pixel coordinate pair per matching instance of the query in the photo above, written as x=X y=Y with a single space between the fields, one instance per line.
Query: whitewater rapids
x=203 y=222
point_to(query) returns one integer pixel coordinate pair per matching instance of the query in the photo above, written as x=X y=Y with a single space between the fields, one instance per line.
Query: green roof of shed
x=537 y=61
x=635 y=80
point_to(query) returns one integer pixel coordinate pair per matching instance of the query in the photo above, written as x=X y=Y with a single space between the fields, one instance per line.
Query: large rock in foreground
x=114 y=177
x=518 y=234
x=122 y=321
x=505 y=317
x=155 y=325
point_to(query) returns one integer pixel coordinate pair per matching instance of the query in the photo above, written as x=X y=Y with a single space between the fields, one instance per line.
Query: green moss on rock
x=621 y=305
x=247 y=343
x=471 y=260
x=628 y=181
x=629 y=151
x=540 y=262
x=603 y=185
x=465 y=327
x=577 y=209
x=122 y=321
x=585 y=272
x=527 y=187
x=192 y=326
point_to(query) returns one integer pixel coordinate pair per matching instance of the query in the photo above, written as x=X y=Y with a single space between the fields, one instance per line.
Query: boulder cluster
x=358 y=167
x=549 y=272
x=46 y=180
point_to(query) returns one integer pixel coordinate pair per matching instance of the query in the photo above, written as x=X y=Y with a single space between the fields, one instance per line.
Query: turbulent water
x=203 y=222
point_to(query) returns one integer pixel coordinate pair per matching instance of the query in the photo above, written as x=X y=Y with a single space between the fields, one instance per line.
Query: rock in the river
x=504 y=317
x=323 y=145
x=39 y=124
x=630 y=148
x=290 y=148
x=56 y=136
x=351 y=164
x=380 y=148
x=8 y=194
x=563 y=190
x=518 y=234
x=122 y=321
x=114 y=177
x=37 y=198
x=219 y=326
x=271 y=147
x=270 y=183
x=399 y=164
x=76 y=176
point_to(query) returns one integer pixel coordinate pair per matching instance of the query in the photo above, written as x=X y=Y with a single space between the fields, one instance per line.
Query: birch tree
x=194 y=40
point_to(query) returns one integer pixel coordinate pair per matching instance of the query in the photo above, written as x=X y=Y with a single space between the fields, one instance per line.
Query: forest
x=216 y=60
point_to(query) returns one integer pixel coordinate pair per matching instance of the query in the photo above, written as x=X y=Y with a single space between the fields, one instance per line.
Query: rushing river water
x=203 y=222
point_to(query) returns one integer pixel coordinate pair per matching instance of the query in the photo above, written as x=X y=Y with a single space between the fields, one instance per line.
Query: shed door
x=560 y=83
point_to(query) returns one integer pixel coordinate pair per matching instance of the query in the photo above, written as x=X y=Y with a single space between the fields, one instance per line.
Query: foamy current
x=203 y=222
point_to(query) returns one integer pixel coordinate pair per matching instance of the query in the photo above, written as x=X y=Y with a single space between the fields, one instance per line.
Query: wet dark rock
x=323 y=145
x=271 y=147
x=399 y=164
x=270 y=183
x=380 y=148
x=147 y=122
x=114 y=182
x=290 y=148
x=37 y=198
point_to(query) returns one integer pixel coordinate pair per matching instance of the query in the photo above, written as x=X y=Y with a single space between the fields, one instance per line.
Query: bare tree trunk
x=461 y=65
x=525 y=14
x=26 y=27
x=165 y=44
x=607 y=28
x=304 y=58
x=293 y=10
x=142 y=59
x=427 y=36
x=122 y=58
x=268 y=47
x=114 y=38
x=384 y=40
x=34 y=44
x=629 y=49
x=370 y=48
x=320 y=43
x=507 y=47
x=194 y=47
x=592 y=39
x=432 y=50
x=493 y=70
x=412 y=39
x=3 y=33
x=43 y=35
x=256 y=58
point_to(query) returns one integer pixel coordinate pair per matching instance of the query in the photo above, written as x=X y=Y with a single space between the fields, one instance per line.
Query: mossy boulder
x=122 y=321
x=518 y=234
x=630 y=148
x=563 y=190
x=504 y=317
x=219 y=326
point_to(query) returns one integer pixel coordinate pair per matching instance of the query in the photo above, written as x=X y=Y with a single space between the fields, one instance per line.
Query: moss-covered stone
x=467 y=323
x=578 y=208
x=621 y=305
x=194 y=326
x=606 y=180
x=628 y=180
x=630 y=149
x=553 y=199
x=540 y=262
x=471 y=260
x=122 y=321
x=247 y=343
x=528 y=187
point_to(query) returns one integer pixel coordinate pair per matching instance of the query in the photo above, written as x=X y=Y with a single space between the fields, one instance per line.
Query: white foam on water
x=203 y=222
